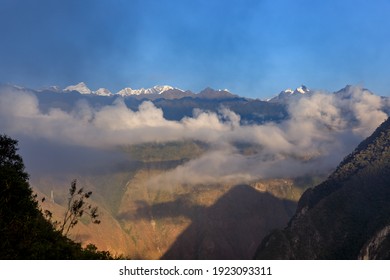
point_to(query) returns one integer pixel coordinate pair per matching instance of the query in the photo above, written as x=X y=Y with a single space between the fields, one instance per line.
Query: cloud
x=321 y=130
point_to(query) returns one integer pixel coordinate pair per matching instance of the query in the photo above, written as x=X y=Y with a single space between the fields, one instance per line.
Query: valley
x=142 y=219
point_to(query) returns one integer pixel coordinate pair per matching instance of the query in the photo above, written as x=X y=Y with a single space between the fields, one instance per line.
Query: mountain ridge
x=155 y=92
x=346 y=216
x=170 y=92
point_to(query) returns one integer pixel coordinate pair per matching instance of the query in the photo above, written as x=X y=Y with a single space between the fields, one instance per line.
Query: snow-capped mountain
x=302 y=90
x=154 y=90
x=164 y=91
x=80 y=87
x=103 y=92
x=84 y=89
x=288 y=93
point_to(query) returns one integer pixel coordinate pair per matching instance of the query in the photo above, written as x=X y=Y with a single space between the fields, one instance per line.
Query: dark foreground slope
x=24 y=232
x=345 y=217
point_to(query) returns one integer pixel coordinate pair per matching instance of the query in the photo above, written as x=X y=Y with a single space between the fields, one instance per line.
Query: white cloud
x=321 y=130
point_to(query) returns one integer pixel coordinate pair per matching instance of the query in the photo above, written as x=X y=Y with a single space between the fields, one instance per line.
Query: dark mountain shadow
x=229 y=229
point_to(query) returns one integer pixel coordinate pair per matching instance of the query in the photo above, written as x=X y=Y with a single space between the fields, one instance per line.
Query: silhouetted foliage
x=24 y=231
x=77 y=207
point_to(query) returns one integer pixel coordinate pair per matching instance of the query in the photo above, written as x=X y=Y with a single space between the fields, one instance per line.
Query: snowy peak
x=80 y=87
x=83 y=89
x=163 y=91
x=289 y=93
x=154 y=90
x=103 y=92
x=302 y=90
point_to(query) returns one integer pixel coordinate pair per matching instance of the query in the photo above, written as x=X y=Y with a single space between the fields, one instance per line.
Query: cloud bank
x=321 y=130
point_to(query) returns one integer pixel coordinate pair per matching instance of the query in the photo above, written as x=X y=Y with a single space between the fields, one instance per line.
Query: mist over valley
x=178 y=174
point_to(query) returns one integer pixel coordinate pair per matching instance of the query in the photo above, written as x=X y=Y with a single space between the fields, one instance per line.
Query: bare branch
x=77 y=207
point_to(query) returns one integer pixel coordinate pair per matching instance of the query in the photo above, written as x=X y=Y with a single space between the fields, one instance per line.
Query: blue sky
x=253 y=48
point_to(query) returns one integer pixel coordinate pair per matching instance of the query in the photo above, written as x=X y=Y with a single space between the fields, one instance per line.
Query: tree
x=18 y=208
x=24 y=231
x=14 y=188
x=77 y=207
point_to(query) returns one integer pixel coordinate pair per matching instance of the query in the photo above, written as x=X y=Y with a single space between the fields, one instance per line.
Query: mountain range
x=154 y=92
x=168 y=92
x=175 y=103
x=178 y=104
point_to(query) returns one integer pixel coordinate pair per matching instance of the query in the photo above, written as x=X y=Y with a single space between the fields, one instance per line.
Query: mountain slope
x=345 y=217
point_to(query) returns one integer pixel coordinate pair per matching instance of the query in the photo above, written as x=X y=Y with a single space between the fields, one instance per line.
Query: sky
x=253 y=48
